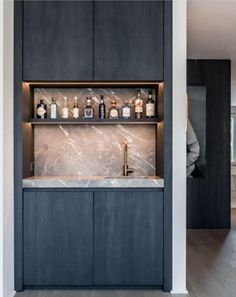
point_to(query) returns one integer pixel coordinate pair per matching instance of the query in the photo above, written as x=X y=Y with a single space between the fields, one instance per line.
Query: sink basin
x=126 y=177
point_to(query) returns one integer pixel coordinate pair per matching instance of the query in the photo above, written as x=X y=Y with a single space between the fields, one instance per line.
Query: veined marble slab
x=92 y=182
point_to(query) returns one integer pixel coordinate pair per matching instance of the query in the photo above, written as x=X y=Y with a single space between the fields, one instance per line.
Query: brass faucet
x=126 y=168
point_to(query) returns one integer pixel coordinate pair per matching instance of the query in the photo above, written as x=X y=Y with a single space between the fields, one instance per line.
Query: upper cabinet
x=57 y=40
x=128 y=40
x=93 y=40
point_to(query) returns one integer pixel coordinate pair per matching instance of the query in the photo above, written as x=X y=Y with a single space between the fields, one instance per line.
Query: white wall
x=1 y=149
x=179 y=146
x=7 y=108
x=211 y=33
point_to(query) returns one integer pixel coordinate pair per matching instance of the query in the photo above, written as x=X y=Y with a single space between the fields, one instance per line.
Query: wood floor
x=211 y=269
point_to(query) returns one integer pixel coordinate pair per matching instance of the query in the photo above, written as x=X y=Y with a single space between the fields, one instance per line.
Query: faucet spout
x=126 y=168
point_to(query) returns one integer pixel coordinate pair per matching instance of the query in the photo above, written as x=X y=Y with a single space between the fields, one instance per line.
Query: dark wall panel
x=208 y=198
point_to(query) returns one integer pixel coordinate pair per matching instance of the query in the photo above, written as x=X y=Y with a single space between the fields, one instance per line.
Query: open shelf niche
x=33 y=91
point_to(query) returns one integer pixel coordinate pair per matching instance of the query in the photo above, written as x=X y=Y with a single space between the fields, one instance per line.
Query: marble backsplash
x=89 y=150
x=117 y=94
x=92 y=150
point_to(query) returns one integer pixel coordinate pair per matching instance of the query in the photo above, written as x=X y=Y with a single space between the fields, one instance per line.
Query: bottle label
x=138 y=108
x=53 y=111
x=65 y=113
x=88 y=113
x=150 y=109
x=41 y=111
x=113 y=113
x=126 y=112
x=75 y=112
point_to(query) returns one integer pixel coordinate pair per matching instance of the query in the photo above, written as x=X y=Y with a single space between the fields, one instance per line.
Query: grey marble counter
x=92 y=182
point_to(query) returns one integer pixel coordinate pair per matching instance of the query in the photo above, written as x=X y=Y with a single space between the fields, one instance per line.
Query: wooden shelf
x=93 y=122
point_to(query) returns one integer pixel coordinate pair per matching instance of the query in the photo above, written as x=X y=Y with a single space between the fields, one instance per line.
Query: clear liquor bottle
x=65 y=109
x=126 y=110
x=75 y=110
x=53 y=109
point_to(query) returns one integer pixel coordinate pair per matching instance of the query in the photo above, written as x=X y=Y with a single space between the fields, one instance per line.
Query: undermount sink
x=125 y=177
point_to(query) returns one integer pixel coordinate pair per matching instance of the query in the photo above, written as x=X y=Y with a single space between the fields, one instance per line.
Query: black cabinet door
x=58 y=238
x=128 y=40
x=58 y=38
x=128 y=238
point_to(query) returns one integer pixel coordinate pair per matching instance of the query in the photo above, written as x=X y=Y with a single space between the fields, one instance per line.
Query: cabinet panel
x=57 y=40
x=128 y=40
x=128 y=238
x=58 y=238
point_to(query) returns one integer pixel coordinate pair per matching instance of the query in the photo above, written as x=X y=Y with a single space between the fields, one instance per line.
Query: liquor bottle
x=41 y=110
x=102 y=108
x=65 y=109
x=53 y=109
x=113 y=111
x=88 y=110
x=75 y=110
x=138 y=105
x=126 y=110
x=150 y=106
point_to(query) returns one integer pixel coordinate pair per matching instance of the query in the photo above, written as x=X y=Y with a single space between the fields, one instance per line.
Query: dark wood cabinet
x=57 y=40
x=128 y=40
x=58 y=238
x=128 y=238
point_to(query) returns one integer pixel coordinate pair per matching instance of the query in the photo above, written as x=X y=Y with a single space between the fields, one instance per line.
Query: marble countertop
x=93 y=182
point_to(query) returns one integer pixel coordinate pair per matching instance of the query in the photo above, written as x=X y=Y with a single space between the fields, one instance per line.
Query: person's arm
x=193 y=149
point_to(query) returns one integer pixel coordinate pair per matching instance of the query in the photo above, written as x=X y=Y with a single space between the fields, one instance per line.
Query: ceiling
x=211 y=33
x=211 y=29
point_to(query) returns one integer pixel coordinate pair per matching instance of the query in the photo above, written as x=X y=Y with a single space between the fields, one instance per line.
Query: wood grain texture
x=208 y=199
x=128 y=244
x=211 y=269
x=128 y=40
x=58 y=238
x=58 y=38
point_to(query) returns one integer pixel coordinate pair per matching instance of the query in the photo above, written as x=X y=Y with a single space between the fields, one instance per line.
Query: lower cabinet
x=128 y=242
x=74 y=237
x=58 y=238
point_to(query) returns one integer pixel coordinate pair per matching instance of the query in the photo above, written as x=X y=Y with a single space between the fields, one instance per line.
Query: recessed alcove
x=91 y=147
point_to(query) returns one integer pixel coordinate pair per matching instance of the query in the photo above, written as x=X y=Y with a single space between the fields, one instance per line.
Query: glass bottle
x=88 y=110
x=126 y=110
x=53 y=109
x=150 y=106
x=113 y=111
x=102 y=108
x=138 y=105
x=41 y=110
x=65 y=109
x=75 y=110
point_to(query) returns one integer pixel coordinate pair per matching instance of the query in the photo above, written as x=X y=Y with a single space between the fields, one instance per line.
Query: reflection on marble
x=92 y=182
x=117 y=94
x=94 y=150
